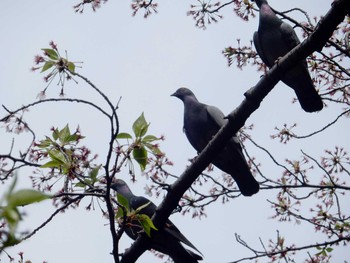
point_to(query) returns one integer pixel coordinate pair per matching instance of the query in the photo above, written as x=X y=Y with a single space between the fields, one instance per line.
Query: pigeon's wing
x=219 y=119
x=167 y=244
x=231 y=159
x=207 y=123
x=216 y=117
x=201 y=123
x=169 y=228
x=138 y=201
x=290 y=37
x=259 y=48
x=175 y=232
x=298 y=78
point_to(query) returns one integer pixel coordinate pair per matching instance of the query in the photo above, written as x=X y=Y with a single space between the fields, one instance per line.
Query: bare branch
x=265 y=253
x=51 y=217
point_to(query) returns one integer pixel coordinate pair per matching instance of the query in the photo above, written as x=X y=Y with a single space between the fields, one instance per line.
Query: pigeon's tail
x=300 y=81
x=246 y=183
x=308 y=98
x=194 y=255
x=176 y=251
x=185 y=256
x=232 y=161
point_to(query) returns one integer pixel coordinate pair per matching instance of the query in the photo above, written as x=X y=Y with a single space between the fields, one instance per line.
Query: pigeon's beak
x=175 y=94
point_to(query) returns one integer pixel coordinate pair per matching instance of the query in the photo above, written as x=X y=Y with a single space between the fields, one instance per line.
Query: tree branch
x=51 y=217
x=237 y=118
x=265 y=253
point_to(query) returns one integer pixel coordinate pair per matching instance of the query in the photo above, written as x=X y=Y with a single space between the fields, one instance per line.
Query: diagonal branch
x=237 y=118
x=52 y=216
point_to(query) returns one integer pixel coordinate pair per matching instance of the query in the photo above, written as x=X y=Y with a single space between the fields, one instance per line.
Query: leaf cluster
x=60 y=149
x=141 y=142
x=67 y=158
x=131 y=218
x=51 y=59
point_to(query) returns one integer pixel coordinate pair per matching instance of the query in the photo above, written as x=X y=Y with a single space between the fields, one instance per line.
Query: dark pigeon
x=167 y=240
x=273 y=40
x=201 y=123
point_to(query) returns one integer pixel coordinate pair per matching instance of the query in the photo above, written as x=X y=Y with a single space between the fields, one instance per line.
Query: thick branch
x=237 y=118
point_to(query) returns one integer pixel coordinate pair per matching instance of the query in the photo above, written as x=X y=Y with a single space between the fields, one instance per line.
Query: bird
x=201 y=123
x=167 y=240
x=273 y=40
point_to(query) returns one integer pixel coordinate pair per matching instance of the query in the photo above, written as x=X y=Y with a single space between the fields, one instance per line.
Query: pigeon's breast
x=196 y=128
x=272 y=42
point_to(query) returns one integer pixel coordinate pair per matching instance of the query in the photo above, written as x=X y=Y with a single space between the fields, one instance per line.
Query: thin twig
x=51 y=217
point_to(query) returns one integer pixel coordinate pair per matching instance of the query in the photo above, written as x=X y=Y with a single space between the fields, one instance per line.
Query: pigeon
x=273 y=40
x=201 y=123
x=166 y=240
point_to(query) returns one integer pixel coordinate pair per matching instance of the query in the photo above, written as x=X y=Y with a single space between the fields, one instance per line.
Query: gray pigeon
x=201 y=123
x=167 y=240
x=273 y=40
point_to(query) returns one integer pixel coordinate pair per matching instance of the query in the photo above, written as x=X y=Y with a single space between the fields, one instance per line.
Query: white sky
x=145 y=61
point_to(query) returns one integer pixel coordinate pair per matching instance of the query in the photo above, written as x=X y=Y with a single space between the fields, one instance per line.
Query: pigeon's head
x=182 y=93
x=120 y=186
x=259 y=2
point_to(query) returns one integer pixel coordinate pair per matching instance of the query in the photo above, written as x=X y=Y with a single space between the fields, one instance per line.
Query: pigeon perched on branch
x=166 y=240
x=201 y=123
x=273 y=40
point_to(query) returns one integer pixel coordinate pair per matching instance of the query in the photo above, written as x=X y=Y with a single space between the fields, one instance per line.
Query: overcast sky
x=144 y=61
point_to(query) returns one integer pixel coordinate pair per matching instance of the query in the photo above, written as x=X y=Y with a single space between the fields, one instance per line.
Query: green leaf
x=45 y=143
x=147 y=223
x=123 y=135
x=64 y=134
x=329 y=249
x=140 y=126
x=73 y=138
x=57 y=156
x=12 y=216
x=323 y=251
x=54 y=134
x=123 y=202
x=52 y=164
x=93 y=173
x=26 y=197
x=85 y=182
x=80 y=184
x=50 y=53
x=120 y=213
x=71 y=66
x=142 y=207
x=47 y=65
x=154 y=150
x=140 y=155
x=149 y=138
